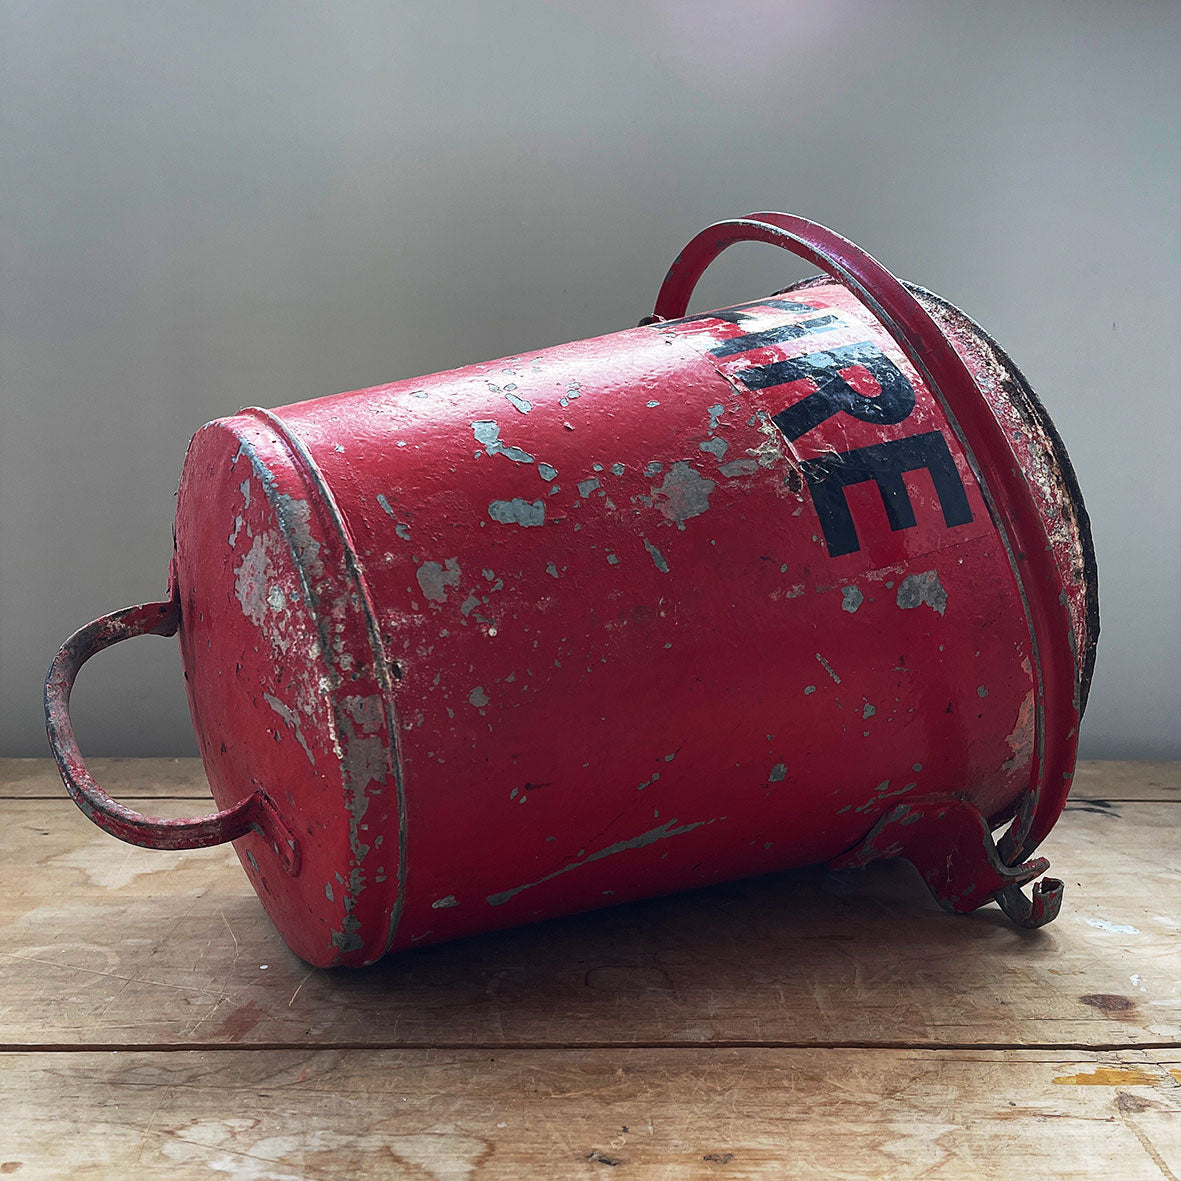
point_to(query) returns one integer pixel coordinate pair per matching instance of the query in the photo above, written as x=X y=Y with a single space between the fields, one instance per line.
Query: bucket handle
x=883 y=295
x=255 y=813
x=949 y=378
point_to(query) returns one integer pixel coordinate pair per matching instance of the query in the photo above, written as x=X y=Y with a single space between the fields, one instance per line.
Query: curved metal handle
x=951 y=382
x=253 y=814
x=883 y=295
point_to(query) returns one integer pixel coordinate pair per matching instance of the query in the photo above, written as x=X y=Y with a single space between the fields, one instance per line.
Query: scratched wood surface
x=672 y=1114
x=807 y=1024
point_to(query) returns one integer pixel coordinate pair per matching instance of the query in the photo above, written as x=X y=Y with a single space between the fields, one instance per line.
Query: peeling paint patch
x=617 y=469
x=653 y=469
x=685 y=493
x=739 y=467
x=385 y=505
x=778 y=773
x=828 y=668
x=478 y=697
x=586 y=487
x=650 y=405
x=656 y=556
x=546 y=472
x=715 y=415
x=291 y=720
x=716 y=447
x=444 y=903
x=250 y=581
x=518 y=512
x=851 y=599
x=916 y=589
x=552 y=570
x=668 y=829
x=487 y=433
x=367 y=712
x=869 y=710
x=434 y=579
x=522 y=404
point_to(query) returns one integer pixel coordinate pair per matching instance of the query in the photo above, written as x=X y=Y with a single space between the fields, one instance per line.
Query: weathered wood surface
x=672 y=1114
x=108 y=945
x=805 y=1025
x=184 y=779
x=122 y=778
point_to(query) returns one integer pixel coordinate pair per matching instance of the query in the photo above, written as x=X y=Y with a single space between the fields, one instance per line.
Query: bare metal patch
x=487 y=433
x=657 y=557
x=668 y=829
x=916 y=589
x=252 y=580
x=739 y=467
x=518 y=512
x=434 y=579
x=291 y=719
x=684 y=493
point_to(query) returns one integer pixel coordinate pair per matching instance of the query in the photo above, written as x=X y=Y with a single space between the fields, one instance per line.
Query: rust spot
x=1110 y=1076
x=11 y=1166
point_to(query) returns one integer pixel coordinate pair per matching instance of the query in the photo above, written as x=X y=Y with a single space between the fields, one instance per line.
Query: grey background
x=208 y=205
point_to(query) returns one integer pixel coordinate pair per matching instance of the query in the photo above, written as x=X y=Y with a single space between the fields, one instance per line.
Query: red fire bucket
x=803 y=580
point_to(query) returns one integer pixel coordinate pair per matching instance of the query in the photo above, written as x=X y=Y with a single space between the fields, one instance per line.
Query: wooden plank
x=121 y=778
x=105 y=944
x=1100 y=780
x=700 y=1113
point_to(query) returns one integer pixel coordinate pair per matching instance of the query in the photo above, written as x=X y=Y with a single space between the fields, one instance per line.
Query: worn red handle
x=253 y=814
x=970 y=415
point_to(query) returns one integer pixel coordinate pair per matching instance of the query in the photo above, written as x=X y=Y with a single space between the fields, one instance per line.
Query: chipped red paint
x=715 y=596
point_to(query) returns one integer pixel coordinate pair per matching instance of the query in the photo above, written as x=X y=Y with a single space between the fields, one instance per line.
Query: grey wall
x=208 y=205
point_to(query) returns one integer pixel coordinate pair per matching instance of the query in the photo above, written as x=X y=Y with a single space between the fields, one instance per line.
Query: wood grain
x=105 y=944
x=30 y=779
x=672 y=1114
x=1097 y=780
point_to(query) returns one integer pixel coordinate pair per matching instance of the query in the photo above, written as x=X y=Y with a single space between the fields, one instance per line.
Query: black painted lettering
x=833 y=394
x=884 y=464
x=776 y=335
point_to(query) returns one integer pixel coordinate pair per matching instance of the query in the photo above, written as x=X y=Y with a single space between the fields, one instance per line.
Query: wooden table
x=806 y=1025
